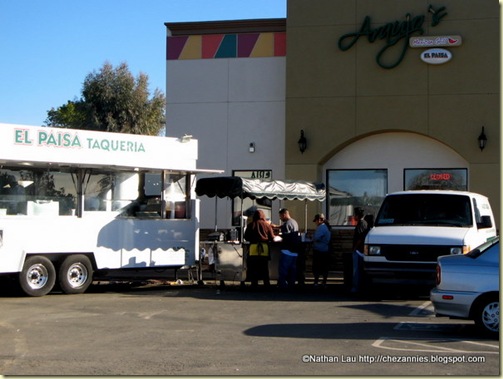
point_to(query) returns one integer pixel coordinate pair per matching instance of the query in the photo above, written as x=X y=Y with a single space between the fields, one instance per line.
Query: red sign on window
x=440 y=176
x=436 y=178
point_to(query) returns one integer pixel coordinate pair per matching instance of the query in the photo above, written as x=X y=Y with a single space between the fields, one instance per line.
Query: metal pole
x=305 y=216
x=216 y=227
x=242 y=223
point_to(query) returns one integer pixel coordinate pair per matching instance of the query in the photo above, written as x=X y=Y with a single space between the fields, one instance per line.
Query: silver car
x=468 y=287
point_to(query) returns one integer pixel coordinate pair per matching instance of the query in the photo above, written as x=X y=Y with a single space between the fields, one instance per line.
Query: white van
x=413 y=228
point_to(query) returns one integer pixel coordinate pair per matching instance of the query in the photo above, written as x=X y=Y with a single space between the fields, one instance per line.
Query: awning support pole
x=216 y=227
x=305 y=216
x=242 y=223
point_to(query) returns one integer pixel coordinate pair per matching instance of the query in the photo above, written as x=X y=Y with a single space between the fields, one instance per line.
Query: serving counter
x=226 y=261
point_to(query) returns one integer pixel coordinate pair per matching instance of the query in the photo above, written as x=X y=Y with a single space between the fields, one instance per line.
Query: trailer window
x=37 y=192
x=177 y=196
x=97 y=188
x=128 y=193
x=148 y=195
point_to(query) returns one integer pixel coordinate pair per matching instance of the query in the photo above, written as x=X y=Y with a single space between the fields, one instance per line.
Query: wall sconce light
x=482 y=140
x=302 y=142
x=251 y=148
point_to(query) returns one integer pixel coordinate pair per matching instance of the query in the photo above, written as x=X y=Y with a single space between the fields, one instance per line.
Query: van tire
x=75 y=274
x=38 y=276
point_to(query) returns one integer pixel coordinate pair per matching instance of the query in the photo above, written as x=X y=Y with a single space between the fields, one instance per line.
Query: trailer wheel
x=75 y=274
x=38 y=276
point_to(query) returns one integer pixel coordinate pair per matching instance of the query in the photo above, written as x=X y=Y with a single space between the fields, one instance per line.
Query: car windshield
x=477 y=252
x=425 y=210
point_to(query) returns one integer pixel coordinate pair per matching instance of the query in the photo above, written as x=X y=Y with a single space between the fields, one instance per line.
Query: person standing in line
x=361 y=230
x=287 y=269
x=321 y=249
x=259 y=233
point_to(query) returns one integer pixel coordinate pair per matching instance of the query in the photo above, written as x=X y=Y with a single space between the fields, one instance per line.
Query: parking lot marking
x=483 y=344
x=426 y=309
x=426 y=346
x=149 y=315
x=426 y=326
x=431 y=345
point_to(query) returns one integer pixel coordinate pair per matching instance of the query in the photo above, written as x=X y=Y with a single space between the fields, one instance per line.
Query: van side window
x=477 y=211
x=483 y=221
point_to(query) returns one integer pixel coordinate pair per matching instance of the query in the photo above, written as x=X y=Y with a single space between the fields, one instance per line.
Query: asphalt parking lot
x=159 y=329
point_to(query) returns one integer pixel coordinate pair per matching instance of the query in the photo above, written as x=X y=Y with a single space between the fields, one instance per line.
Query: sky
x=48 y=47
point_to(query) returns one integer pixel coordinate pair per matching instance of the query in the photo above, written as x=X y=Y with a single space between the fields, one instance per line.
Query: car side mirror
x=485 y=222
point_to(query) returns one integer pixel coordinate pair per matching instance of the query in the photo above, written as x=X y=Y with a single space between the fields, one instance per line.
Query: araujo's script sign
x=392 y=33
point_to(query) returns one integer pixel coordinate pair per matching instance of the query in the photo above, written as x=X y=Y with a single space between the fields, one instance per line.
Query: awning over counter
x=233 y=186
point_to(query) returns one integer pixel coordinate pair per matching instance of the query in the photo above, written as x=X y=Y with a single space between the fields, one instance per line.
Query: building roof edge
x=226 y=27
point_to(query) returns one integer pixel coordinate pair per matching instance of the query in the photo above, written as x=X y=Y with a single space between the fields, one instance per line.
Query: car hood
x=418 y=235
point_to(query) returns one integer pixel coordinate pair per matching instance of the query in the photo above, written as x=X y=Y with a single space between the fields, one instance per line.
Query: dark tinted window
x=426 y=210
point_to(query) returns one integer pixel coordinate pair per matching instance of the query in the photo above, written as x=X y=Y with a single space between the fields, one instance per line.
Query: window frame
x=372 y=209
x=436 y=171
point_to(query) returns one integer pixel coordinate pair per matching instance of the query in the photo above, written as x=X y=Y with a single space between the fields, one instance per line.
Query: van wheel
x=38 y=276
x=487 y=315
x=75 y=274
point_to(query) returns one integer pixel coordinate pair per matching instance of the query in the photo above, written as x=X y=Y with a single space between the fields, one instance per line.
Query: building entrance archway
x=362 y=173
x=396 y=151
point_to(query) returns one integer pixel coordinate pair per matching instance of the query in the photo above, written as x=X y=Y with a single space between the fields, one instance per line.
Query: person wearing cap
x=321 y=249
x=287 y=269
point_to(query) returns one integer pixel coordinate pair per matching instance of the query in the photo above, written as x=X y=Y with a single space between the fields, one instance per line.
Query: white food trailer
x=77 y=204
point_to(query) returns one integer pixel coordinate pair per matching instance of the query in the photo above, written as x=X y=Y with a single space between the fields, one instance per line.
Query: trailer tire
x=38 y=276
x=75 y=274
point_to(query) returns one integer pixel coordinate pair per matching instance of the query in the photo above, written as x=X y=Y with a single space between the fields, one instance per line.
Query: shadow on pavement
x=358 y=330
x=335 y=291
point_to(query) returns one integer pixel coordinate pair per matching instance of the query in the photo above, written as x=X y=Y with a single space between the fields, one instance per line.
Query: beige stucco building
x=390 y=94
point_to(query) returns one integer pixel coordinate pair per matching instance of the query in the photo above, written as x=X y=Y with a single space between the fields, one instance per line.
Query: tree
x=113 y=100
x=69 y=115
